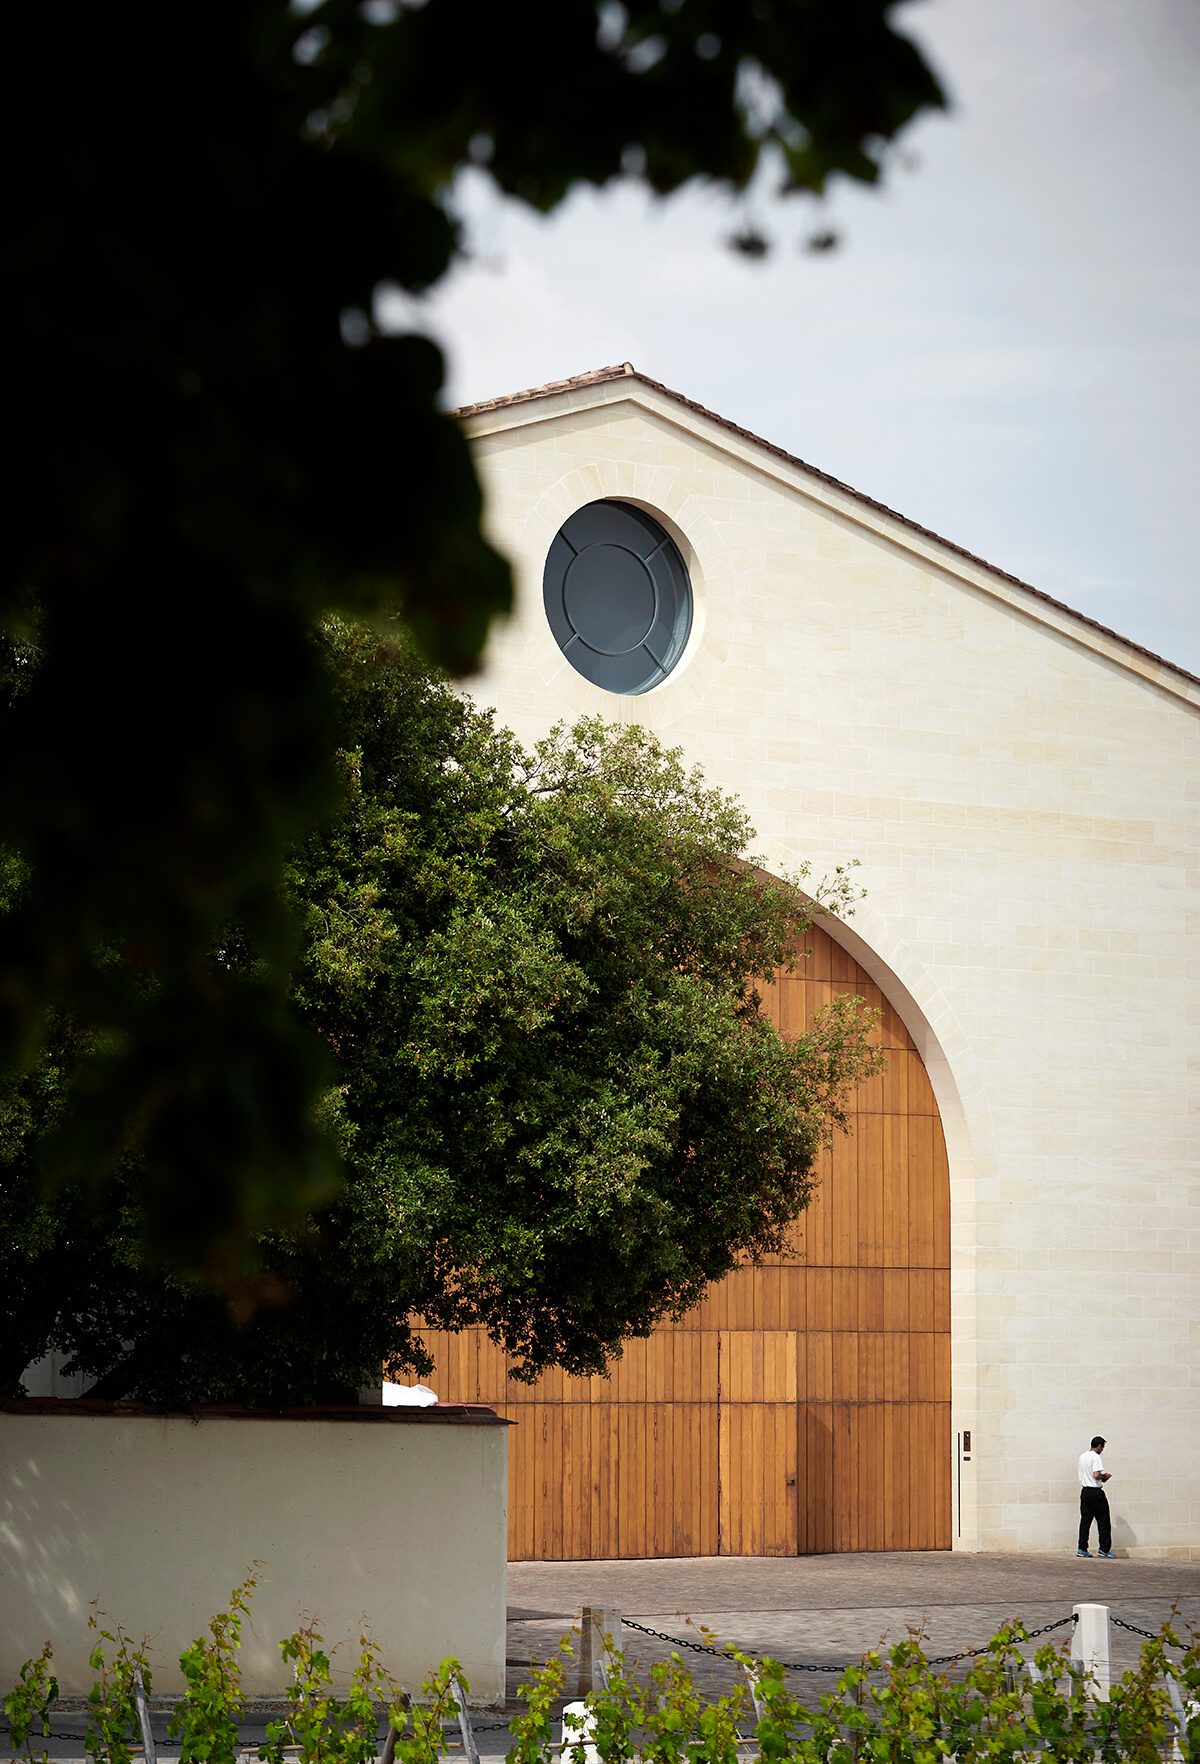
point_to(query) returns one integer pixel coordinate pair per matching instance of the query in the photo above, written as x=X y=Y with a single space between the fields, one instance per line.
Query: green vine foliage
x=320 y=1728
x=533 y=1728
x=421 y=1736
x=1136 y=1722
x=205 y=1722
x=893 y=1707
x=27 y=1705
x=113 y=1732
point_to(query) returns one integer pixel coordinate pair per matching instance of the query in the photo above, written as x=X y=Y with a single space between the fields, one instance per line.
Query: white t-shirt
x=1089 y=1461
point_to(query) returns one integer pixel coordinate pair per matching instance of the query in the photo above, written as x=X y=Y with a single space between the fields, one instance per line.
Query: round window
x=617 y=597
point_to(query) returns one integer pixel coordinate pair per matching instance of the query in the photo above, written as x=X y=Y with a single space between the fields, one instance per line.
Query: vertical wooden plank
x=921 y=1303
x=733 y=1464
x=821 y=1440
x=871 y=1156
x=895 y=1080
x=793 y=1297
x=842 y=965
x=539 y=1430
x=788 y=1438
x=464 y=1368
x=606 y=1538
x=635 y=1369
x=920 y=1193
x=845 y=1298
x=772 y=1304
x=760 y=1473
x=930 y=1468
x=670 y=1472
x=844 y=1502
x=711 y=1534
x=587 y=1433
x=871 y=1371
x=566 y=1500
x=944 y=1445
x=941 y=1368
x=858 y=1472
x=870 y=1298
x=640 y=1515
x=752 y=1299
x=819 y=1300
x=645 y=1477
x=917 y=1480
x=724 y=1459
x=684 y=1491
x=895 y=1454
x=845 y=1366
x=818 y=1228
x=658 y=1361
x=818 y=1348
x=877 y=1536
x=553 y=1479
x=518 y=1539
x=843 y=1195
x=895 y=1299
x=941 y=1198
x=623 y=1468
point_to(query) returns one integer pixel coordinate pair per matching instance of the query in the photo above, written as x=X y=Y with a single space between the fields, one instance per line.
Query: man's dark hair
x=1097 y=1444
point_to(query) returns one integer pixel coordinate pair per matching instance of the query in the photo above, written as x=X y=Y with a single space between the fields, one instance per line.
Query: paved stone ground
x=824 y=1610
x=827 y=1610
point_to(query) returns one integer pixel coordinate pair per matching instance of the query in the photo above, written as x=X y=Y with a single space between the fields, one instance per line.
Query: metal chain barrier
x=1031 y=1635
x=1149 y=1634
x=679 y=1641
x=1119 y=1623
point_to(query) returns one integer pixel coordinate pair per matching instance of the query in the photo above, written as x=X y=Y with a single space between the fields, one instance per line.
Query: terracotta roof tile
x=626 y=371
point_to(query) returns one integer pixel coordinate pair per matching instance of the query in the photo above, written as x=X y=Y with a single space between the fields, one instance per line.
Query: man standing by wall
x=1093 y=1502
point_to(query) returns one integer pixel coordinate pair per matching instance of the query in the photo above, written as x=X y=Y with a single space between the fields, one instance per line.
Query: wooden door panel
x=759 y=1503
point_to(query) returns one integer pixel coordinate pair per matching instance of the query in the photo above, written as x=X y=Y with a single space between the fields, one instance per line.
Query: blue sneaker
x=1086 y=1553
x=1109 y=1555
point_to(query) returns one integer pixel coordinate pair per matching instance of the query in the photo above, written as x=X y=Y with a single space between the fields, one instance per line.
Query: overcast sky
x=1006 y=346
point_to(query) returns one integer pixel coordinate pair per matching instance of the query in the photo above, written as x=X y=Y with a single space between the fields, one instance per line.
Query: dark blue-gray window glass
x=617 y=596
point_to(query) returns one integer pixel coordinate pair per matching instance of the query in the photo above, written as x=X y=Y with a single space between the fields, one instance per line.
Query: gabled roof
x=625 y=371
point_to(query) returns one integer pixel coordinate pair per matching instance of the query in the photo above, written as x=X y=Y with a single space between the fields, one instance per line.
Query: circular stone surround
x=617 y=596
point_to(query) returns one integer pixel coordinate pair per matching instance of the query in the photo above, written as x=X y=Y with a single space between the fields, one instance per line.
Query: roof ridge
x=595 y=377
x=626 y=370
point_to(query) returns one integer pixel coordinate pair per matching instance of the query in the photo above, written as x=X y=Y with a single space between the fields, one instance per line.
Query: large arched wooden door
x=804 y=1406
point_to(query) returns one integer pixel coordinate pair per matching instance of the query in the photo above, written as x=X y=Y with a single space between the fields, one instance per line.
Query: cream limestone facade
x=1021 y=788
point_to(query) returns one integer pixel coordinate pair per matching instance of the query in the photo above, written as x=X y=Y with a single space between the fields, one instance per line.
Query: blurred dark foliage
x=212 y=444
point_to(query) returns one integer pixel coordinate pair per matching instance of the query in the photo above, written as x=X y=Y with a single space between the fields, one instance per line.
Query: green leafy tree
x=561 y=1110
x=213 y=445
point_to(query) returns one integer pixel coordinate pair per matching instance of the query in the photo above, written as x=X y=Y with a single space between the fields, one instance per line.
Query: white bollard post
x=1089 y=1645
x=597 y=1622
x=578 y=1726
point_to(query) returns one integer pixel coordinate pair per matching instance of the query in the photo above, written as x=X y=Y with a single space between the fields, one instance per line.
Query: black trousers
x=1093 y=1504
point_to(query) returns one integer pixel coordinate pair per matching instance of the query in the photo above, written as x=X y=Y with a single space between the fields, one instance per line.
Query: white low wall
x=390 y=1519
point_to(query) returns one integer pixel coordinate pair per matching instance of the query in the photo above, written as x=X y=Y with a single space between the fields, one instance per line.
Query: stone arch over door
x=804 y=1405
